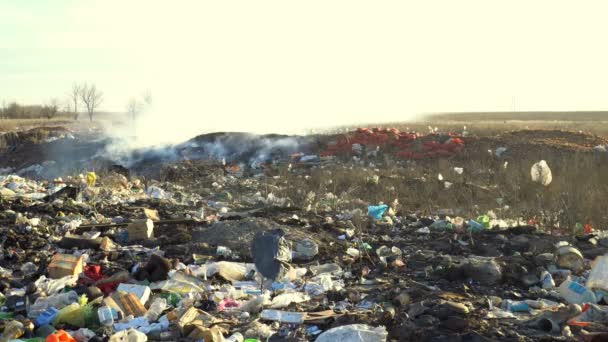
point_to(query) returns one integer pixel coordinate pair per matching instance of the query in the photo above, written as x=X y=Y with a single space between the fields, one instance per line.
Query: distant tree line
x=87 y=95
x=15 y=110
x=81 y=97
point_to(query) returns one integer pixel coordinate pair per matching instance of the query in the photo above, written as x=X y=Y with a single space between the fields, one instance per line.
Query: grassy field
x=489 y=124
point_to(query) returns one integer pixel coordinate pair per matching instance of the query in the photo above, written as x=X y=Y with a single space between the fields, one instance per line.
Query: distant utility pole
x=513 y=104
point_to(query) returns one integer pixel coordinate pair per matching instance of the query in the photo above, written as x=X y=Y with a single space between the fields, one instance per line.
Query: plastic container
x=598 y=278
x=46 y=317
x=106 y=317
x=60 y=336
x=575 y=293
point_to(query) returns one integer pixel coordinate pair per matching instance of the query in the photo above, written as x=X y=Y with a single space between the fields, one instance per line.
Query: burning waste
x=238 y=237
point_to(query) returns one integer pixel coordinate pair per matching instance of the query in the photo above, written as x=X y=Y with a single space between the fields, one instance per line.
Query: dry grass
x=492 y=127
x=12 y=125
x=576 y=194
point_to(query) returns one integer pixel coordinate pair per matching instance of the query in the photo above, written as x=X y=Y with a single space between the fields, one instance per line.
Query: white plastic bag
x=598 y=278
x=541 y=173
x=354 y=333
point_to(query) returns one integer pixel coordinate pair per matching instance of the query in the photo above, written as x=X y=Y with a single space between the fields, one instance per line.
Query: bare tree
x=92 y=98
x=74 y=97
x=133 y=108
x=51 y=109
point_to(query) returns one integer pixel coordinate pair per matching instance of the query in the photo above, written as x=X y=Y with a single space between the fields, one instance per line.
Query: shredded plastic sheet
x=354 y=333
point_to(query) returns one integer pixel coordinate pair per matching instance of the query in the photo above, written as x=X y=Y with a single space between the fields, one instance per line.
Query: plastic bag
x=354 y=333
x=541 y=173
x=284 y=299
x=271 y=253
x=74 y=314
x=58 y=301
x=232 y=271
x=179 y=283
x=130 y=335
x=54 y=286
x=91 y=178
x=376 y=211
x=598 y=278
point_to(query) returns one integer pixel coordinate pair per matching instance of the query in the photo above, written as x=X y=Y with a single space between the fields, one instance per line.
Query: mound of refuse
x=402 y=144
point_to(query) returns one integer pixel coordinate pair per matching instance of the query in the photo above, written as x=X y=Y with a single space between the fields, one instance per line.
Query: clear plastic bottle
x=12 y=331
x=156 y=309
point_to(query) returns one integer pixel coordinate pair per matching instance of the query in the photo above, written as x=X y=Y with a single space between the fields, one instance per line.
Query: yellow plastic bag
x=74 y=314
x=91 y=178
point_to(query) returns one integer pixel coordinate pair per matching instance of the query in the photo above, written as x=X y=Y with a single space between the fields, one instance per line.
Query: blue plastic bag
x=376 y=211
x=475 y=227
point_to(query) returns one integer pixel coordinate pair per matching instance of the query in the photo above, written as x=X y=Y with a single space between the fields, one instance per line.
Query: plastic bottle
x=156 y=309
x=575 y=293
x=547 y=280
x=516 y=306
x=46 y=317
x=106 y=317
x=236 y=337
x=12 y=330
x=598 y=278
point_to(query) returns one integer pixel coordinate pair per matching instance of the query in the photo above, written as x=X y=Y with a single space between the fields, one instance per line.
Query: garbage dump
x=215 y=253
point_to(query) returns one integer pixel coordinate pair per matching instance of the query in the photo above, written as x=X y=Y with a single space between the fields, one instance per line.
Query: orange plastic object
x=60 y=336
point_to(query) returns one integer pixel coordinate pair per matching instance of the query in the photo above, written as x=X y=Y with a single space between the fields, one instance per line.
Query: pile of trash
x=403 y=144
x=220 y=257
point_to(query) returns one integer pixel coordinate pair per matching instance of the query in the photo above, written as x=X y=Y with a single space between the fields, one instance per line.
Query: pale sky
x=284 y=65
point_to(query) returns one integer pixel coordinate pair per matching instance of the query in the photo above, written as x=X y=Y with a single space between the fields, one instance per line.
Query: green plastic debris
x=484 y=220
x=442 y=225
x=6 y=315
x=173 y=299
